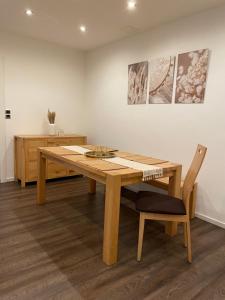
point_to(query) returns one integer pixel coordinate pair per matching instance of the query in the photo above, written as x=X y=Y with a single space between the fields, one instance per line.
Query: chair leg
x=141 y=235
x=185 y=235
x=189 y=252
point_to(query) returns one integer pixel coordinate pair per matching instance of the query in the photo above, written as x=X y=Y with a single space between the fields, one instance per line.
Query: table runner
x=77 y=149
x=150 y=172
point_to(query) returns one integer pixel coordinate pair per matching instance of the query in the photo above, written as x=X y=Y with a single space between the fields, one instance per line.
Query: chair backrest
x=192 y=174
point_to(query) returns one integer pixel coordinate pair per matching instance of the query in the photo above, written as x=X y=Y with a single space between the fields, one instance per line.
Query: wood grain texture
x=26 y=155
x=111 y=219
x=174 y=190
x=92 y=186
x=41 y=186
x=96 y=169
x=38 y=136
x=55 y=251
x=102 y=165
x=92 y=167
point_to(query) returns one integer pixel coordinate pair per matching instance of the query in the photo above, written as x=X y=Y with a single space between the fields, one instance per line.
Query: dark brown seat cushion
x=155 y=202
x=128 y=194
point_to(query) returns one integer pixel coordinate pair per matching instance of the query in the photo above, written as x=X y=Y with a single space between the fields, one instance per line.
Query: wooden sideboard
x=26 y=155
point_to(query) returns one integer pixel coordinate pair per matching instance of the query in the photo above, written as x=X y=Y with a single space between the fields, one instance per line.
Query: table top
x=99 y=169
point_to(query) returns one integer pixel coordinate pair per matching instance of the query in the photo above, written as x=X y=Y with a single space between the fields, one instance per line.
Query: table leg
x=174 y=190
x=92 y=186
x=41 y=179
x=111 y=220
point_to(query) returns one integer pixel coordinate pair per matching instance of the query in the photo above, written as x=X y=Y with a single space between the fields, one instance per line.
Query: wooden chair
x=155 y=206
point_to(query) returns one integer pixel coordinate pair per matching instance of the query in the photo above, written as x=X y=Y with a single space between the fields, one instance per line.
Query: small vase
x=51 y=129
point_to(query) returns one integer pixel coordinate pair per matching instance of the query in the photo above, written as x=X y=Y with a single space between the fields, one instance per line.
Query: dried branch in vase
x=51 y=117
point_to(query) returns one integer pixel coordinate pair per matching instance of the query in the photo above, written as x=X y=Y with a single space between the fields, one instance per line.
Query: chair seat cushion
x=159 y=203
x=129 y=194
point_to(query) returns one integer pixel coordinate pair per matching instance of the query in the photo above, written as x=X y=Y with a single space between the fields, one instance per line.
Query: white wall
x=166 y=131
x=40 y=75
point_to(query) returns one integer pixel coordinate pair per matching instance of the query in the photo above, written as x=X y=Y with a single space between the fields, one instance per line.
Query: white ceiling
x=107 y=20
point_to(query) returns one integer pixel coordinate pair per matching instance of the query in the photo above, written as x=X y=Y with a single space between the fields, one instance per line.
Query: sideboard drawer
x=65 y=142
x=31 y=147
x=35 y=143
x=32 y=154
x=31 y=171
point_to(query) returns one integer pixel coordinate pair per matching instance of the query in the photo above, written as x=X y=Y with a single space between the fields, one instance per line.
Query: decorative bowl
x=100 y=154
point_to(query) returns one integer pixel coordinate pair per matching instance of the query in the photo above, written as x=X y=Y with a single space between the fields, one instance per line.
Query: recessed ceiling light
x=83 y=28
x=131 y=4
x=29 y=12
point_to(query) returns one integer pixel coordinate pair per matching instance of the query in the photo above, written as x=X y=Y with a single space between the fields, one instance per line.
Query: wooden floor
x=54 y=251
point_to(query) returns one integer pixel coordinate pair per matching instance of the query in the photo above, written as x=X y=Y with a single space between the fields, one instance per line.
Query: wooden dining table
x=113 y=176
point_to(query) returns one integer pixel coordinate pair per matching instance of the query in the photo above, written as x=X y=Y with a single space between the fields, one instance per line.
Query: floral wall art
x=137 y=83
x=191 y=76
x=161 y=77
x=155 y=80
